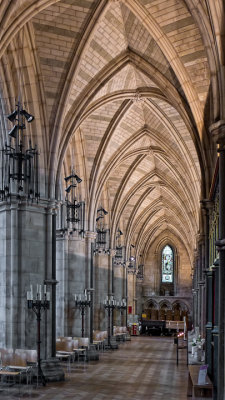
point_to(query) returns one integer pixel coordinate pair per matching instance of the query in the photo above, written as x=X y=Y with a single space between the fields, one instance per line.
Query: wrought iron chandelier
x=119 y=256
x=140 y=272
x=75 y=209
x=19 y=165
x=102 y=238
x=131 y=268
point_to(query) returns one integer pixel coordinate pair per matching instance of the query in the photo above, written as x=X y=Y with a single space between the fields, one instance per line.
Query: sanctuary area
x=112 y=192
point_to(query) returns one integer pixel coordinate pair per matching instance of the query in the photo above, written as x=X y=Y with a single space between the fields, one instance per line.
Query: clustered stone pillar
x=101 y=261
x=221 y=269
x=113 y=286
x=90 y=281
x=26 y=258
x=208 y=300
x=195 y=292
x=218 y=131
x=118 y=292
x=208 y=333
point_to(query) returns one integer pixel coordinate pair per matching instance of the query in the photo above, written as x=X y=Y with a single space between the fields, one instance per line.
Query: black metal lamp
x=75 y=209
x=140 y=272
x=38 y=305
x=102 y=238
x=119 y=256
x=83 y=302
x=132 y=262
x=19 y=166
x=109 y=305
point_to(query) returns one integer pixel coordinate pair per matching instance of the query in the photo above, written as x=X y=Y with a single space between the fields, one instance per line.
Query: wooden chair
x=6 y=356
x=64 y=351
x=14 y=364
x=31 y=356
x=84 y=342
x=20 y=364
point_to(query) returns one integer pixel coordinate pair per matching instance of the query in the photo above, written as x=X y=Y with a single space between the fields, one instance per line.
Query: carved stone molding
x=89 y=235
x=218 y=132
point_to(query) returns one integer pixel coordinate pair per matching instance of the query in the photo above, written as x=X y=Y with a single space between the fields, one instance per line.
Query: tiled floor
x=142 y=369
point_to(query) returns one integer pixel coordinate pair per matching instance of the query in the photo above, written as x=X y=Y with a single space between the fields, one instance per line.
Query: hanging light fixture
x=75 y=209
x=132 y=262
x=102 y=238
x=19 y=165
x=119 y=256
x=140 y=272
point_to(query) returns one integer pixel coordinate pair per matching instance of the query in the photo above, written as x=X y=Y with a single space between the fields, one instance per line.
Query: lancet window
x=167 y=264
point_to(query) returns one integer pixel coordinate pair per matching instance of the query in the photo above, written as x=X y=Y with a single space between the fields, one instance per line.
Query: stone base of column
x=208 y=350
x=215 y=334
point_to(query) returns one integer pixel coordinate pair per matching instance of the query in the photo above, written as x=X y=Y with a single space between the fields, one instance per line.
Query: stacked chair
x=17 y=366
x=120 y=333
x=71 y=349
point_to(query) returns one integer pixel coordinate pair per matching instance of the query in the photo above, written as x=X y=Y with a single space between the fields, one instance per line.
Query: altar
x=161 y=327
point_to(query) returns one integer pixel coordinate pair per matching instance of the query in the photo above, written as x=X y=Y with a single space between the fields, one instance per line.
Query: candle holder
x=109 y=305
x=122 y=306
x=83 y=301
x=38 y=305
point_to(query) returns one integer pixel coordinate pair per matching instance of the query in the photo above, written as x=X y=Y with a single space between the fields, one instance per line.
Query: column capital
x=112 y=252
x=220 y=244
x=199 y=239
x=90 y=235
x=208 y=272
x=206 y=204
x=217 y=129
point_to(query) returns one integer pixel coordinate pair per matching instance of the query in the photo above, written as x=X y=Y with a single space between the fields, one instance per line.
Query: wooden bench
x=194 y=389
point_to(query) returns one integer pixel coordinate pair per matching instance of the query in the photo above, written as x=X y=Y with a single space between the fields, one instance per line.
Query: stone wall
x=25 y=252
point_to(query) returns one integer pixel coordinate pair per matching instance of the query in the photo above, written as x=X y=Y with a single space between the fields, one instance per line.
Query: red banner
x=129 y=309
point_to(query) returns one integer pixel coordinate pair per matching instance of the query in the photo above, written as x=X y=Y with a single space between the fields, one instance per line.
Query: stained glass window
x=167 y=265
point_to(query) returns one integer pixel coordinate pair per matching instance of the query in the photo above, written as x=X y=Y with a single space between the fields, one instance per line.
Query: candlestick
x=37 y=306
x=82 y=302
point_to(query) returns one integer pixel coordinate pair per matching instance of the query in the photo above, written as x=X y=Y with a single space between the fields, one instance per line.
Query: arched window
x=167 y=265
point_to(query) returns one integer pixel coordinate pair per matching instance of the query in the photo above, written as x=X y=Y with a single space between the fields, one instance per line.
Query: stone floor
x=142 y=369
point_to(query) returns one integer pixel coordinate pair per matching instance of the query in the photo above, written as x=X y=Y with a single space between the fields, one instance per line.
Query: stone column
x=215 y=330
x=201 y=284
x=118 y=291
x=134 y=295
x=113 y=288
x=90 y=281
x=72 y=277
x=209 y=315
x=198 y=276
x=195 y=291
x=125 y=294
x=25 y=260
x=218 y=131
x=101 y=290
x=62 y=252
x=131 y=290
x=208 y=299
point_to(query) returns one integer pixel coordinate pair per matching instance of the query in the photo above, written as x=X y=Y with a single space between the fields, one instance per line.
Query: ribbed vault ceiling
x=125 y=85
